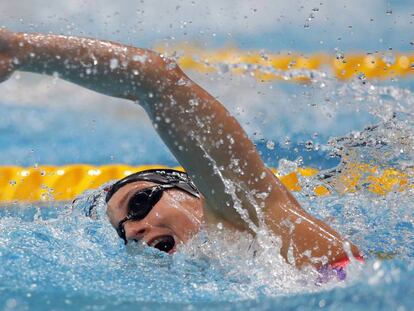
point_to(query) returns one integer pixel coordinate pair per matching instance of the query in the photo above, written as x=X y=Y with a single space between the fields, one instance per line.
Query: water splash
x=57 y=254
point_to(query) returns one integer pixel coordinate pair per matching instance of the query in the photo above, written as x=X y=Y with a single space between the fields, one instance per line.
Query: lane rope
x=270 y=66
x=64 y=183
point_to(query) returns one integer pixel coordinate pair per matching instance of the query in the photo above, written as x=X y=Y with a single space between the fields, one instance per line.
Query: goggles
x=142 y=202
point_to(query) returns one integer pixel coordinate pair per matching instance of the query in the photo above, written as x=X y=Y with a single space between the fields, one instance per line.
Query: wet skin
x=205 y=138
x=177 y=214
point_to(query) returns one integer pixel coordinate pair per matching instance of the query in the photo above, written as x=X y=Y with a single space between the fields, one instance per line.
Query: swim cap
x=176 y=178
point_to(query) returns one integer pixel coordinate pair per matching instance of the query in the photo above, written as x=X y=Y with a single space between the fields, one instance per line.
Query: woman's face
x=177 y=215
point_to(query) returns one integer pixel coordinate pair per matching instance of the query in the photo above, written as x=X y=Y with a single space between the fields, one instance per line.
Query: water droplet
x=339 y=55
x=376 y=265
x=287 y=141
x=171 y=65
x=309 y=145
x=389 y=12
x=139 y=58
x=389 y=59
x=270 y=145
x=231 y=139
x=113 y=63
x=262 y=195
x=322 y=303
x=361 y=76
x=193 y=102
x=181 y=82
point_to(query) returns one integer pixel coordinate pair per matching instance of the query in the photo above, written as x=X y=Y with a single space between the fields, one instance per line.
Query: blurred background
x=44 y=120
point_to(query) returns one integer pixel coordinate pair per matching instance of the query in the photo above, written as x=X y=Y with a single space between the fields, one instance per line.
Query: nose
x=136 y=230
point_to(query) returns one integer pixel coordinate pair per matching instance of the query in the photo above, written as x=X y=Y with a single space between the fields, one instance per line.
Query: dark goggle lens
x=142 y=202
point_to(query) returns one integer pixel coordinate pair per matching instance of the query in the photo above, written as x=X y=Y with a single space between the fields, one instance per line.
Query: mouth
x=164 y=243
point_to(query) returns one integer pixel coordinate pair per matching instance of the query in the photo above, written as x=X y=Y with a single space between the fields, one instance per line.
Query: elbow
x=158 y=69
x=153 y=72
x=169 y=73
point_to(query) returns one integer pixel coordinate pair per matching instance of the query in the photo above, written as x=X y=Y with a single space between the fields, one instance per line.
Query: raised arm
x=207 y=141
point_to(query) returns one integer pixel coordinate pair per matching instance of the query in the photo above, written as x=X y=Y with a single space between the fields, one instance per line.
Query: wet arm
x=207 y=141
x=105 y=67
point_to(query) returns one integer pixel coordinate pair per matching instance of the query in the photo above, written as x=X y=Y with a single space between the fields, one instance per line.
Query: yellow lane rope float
x=270 y=66
x=63 y=183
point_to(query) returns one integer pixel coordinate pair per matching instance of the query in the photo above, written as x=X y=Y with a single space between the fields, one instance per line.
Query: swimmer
x=227 y=180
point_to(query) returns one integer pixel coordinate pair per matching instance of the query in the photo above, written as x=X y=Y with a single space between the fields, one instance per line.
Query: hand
x=7 y=53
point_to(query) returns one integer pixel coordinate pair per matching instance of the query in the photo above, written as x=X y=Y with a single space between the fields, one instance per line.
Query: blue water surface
x=53 y=257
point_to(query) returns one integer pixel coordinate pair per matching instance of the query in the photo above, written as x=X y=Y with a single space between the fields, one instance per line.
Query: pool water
x=53 y=256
